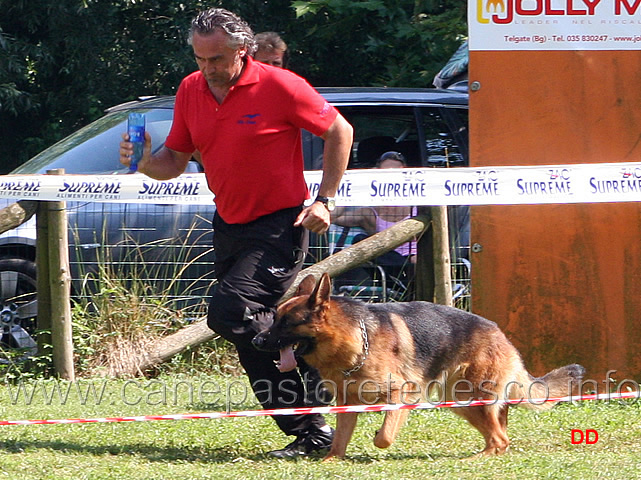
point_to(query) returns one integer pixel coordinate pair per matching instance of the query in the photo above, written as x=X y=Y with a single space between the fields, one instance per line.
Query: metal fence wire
x=164 y=254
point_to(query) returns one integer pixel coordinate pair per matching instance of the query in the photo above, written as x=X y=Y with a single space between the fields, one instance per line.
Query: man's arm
x=338 y=145
x=364 y=218
x=164 y=165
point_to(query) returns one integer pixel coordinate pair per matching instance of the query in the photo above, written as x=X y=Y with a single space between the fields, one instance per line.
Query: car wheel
x=18 y=309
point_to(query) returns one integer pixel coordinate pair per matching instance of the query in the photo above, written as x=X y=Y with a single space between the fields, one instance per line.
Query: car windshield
x=94 y=148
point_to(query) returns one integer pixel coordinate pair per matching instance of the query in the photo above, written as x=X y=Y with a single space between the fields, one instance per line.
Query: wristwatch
x=329 y=202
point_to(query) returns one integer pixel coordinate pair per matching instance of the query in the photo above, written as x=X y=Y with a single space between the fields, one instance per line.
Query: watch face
x=331 y=204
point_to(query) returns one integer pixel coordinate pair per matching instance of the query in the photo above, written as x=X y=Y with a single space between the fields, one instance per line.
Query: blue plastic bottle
x=136 y=131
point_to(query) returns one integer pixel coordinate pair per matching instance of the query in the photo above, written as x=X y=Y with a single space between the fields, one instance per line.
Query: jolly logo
x=505 y=11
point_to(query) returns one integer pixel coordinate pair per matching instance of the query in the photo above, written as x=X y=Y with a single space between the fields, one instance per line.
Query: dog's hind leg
x=491 y=421
x=345 y=424
x=503 y=418
x=394 y=420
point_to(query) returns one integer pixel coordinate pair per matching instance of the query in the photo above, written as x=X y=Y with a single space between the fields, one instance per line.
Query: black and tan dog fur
x=412 y=346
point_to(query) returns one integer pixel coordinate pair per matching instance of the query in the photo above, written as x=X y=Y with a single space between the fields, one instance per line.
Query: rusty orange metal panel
x=564 y=281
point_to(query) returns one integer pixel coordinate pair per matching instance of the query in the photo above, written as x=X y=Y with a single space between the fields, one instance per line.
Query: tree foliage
x=377 y=42
x=70 y=59
x=63 y=62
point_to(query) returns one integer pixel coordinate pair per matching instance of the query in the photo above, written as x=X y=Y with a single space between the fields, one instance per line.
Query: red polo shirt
x=251 y=143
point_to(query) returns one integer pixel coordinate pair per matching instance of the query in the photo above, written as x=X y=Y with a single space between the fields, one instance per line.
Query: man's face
x=275 y=57
x=220 y=64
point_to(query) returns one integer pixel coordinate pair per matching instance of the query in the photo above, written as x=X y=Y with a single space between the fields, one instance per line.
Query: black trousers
x=255 y=265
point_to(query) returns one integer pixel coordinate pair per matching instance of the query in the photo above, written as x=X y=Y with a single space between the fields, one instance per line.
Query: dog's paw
x=333 y=457
x=487 y=453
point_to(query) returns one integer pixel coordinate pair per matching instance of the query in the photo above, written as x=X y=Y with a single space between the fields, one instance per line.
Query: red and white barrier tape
x=326 y=410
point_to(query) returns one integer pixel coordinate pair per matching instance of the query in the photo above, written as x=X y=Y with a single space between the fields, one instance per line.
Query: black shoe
x=306 y=444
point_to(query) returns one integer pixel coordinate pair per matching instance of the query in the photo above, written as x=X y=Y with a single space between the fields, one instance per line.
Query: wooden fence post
x=442 y=261
x=42 y=280
x=60 y=287
x=433 y=262
x=424 y=268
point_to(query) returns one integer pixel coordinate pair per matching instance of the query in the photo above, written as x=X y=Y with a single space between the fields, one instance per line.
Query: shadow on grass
x=399 y=456
x=203 y=455
x=148 y=451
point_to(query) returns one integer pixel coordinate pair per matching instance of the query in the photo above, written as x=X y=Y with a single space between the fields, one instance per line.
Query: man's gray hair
x=239 y=31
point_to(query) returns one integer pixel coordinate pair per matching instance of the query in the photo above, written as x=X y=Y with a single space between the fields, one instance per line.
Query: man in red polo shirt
x=245 y=120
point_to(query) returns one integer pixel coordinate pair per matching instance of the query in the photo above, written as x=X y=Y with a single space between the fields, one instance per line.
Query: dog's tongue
x=287 y=360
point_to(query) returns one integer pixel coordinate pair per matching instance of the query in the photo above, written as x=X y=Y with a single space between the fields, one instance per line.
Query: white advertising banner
x=585 y=183
x=554 y=24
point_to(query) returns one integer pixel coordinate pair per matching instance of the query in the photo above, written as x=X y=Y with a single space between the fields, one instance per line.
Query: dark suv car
x=168 y=247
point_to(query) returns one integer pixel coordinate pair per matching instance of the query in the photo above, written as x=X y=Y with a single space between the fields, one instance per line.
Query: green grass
x=434 y=444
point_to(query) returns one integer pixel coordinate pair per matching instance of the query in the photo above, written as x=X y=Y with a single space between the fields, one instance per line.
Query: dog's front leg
x=393 y=422
x=345 y=424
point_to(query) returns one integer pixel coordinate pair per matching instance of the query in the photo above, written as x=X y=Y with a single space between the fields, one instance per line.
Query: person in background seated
x=351 y=225
x=377 y=219
x=271 y=50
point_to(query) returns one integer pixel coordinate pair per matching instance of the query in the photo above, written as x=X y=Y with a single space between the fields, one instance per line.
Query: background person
x=379 y=218
x=245 y=119
x=271 y=50
x=355 y=224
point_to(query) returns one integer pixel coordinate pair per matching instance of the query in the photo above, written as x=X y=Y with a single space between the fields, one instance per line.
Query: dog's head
x=296 y=322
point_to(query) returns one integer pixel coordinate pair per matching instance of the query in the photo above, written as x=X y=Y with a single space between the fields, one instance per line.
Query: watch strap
x=327 y=201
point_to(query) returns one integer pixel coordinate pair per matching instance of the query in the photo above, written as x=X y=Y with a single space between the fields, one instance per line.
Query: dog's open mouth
x=287 y=360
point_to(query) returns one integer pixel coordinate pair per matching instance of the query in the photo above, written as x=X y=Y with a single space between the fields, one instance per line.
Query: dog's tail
x=537 y=393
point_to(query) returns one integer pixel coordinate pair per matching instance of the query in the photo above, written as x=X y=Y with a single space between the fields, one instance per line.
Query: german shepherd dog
x=395 y=352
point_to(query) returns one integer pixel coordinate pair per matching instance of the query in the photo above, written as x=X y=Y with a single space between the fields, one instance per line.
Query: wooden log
x=60 y=288
x=364 y=251
x=16 y=214
x=353 y=256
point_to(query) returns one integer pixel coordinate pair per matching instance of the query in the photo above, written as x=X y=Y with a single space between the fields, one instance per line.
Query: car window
x=94 y=148
x=379 y=129
x=382 y=129
x=445 y=133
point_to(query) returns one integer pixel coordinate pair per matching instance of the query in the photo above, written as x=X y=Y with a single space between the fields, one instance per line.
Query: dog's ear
x=322 y=292
x=306 y=286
